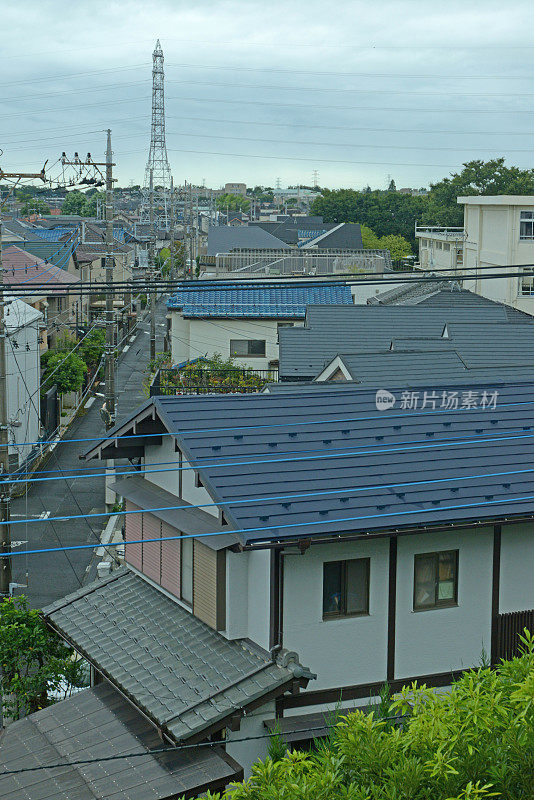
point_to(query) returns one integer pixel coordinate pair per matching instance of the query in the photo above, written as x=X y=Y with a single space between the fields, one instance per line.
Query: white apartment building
x=498 y=236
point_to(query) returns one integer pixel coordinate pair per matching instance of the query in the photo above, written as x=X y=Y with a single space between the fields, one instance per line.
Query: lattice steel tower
x=157 y=156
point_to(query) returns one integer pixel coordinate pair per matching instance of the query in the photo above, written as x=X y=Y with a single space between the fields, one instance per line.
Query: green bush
x=474 y=741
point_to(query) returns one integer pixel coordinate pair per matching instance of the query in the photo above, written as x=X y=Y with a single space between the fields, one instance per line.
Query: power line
x=322 y=421
x=269 y=498
x=285 y=526
x=178 y=748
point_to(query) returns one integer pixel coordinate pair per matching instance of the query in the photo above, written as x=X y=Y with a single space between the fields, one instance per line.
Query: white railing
x=280 y=262
x=456 y=234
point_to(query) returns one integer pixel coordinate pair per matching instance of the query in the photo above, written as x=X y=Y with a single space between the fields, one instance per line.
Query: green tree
x=475 y=741
x=92 y=347
x=476 y=178
x=35 y=662
x=73 y=203
x=392 y=187
x=69 y=371
x=384 y=212
x=89 y=207
x=233 y=202
x=32 y=205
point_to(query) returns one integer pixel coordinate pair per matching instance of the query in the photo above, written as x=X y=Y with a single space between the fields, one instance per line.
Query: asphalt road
x=51 y=576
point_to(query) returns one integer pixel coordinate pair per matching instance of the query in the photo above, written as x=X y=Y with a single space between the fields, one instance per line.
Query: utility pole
x=171 y=266
x=151 y=270
x=110 y=313
x=5 y=498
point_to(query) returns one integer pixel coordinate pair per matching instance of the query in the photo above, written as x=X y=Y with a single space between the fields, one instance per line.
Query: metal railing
x=449 y=233
x=236 y=380
x=309 y=262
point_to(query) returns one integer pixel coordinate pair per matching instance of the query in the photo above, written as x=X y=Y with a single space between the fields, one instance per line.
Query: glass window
x=247 y=347
x=526 y=225
x=435 y=580
x=346 y=588
x=186 y=570
x=526 y=281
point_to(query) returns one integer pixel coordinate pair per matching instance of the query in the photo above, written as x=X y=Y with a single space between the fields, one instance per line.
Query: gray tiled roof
x=95 y=723
x=184 y=675
x=443 y=294
x=416 y=368
x=493 y=345
x=305 y=351
x=224 y=238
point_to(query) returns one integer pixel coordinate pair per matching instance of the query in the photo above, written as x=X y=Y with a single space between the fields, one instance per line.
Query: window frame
x=248 y=354
x=446 y=603
x=528 y=223
x=343 y=614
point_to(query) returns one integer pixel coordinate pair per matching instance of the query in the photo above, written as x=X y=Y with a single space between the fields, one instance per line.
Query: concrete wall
x=259 y=597
x=493 y=240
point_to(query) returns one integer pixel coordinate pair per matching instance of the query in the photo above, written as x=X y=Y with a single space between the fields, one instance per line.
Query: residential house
x=23 y=329
x=328 y=332
x=225 y=239
x=242 y=320
x=63 y=307
x=369 y=543
x=312 y=232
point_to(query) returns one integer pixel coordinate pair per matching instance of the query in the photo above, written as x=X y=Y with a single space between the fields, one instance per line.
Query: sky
x=257 y=92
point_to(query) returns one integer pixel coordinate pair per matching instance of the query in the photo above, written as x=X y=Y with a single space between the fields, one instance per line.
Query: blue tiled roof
x=57 y=234
x=54 y=234
x=260 y=300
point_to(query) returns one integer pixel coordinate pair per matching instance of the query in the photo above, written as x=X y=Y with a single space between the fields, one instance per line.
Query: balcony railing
x=197 y=380
x=447 y=233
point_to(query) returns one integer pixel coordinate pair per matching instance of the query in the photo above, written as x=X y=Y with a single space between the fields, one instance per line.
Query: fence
x=281 y=262
x=509 y=626
x=193 y=380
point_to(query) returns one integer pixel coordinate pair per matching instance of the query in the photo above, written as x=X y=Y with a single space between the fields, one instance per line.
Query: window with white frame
x=526 y=225
x=526 y=281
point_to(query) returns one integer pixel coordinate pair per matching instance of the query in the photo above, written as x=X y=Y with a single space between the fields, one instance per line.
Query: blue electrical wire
x=252 y=428
x=267 y=527
x=325 y=493
x=332 y=453
x=30 y=266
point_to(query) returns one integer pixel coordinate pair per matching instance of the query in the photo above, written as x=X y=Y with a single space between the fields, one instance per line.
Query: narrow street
x=53 y=575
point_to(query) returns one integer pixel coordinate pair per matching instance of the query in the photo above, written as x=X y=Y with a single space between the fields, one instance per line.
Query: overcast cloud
x=259 y=91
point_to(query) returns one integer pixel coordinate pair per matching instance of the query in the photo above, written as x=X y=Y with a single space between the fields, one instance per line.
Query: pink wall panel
x=134 y=532
x=170 y=560
x=152 y=550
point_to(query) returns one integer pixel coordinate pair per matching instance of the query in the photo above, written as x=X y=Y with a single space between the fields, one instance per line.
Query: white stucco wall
x=155 y=454
x=517 y=567
x=23 y=381
x=259 y=596
x=196 y=337
x=452 y=638
x=341 y=651
x=247 y=753
x=237 y=592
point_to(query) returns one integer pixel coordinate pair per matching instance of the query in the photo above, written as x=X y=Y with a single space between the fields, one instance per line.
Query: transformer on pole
x=158 y=162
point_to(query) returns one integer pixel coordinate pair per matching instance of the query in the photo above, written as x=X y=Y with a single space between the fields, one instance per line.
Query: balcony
x=194 y=380
x=440 y=233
